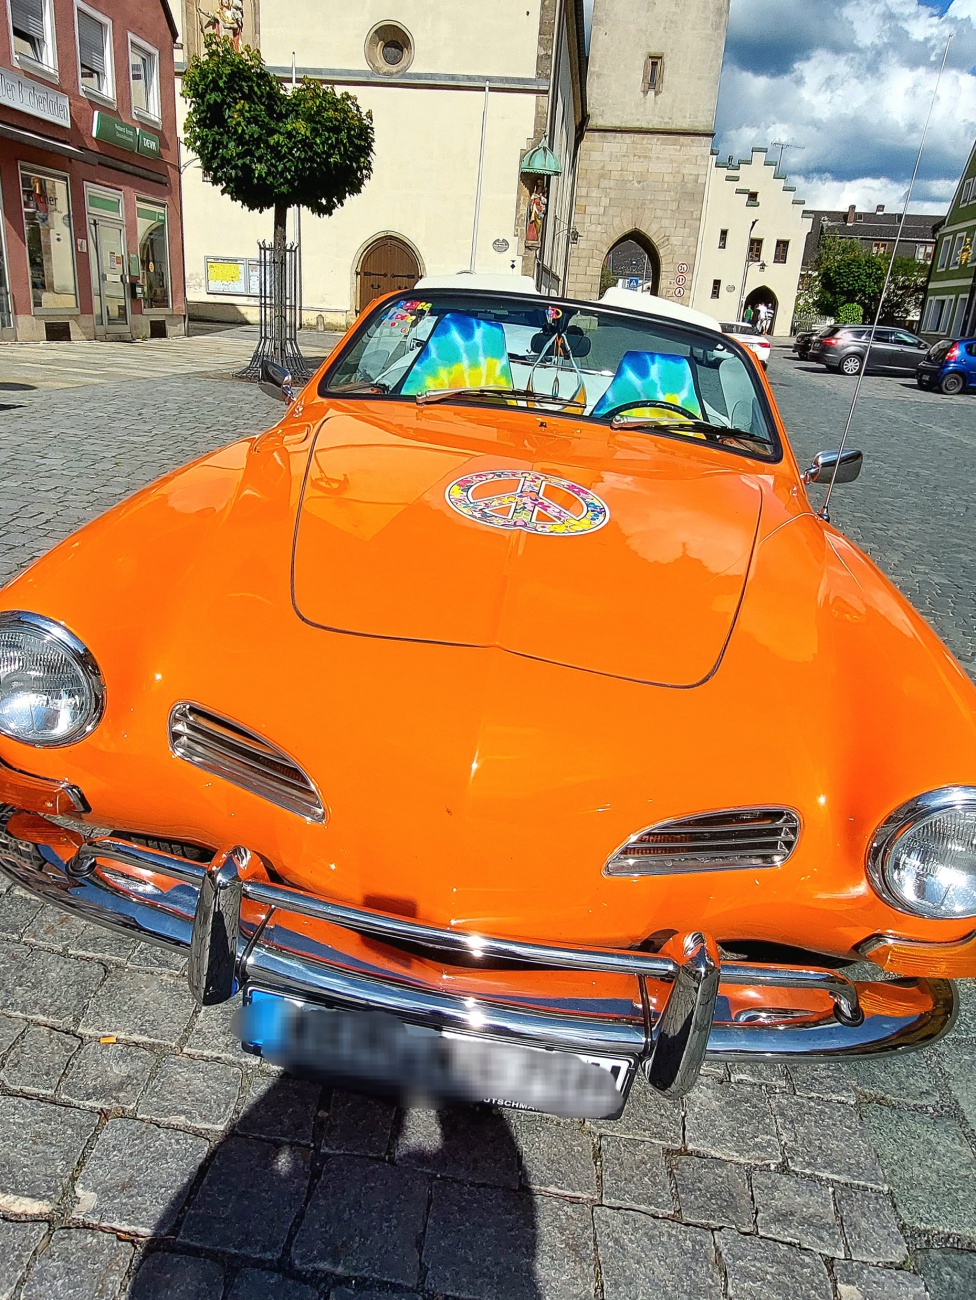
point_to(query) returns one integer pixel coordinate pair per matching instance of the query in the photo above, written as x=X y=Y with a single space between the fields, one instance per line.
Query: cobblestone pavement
x=141 y=1154
x=26 y=367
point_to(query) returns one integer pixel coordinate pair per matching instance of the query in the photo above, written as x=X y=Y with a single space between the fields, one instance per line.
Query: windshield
x=614 y=367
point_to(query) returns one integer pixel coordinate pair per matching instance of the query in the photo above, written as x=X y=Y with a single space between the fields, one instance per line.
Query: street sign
x=682 y=268
x=633 y=282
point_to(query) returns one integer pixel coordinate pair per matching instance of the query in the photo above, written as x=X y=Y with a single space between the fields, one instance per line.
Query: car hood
x=648 y=587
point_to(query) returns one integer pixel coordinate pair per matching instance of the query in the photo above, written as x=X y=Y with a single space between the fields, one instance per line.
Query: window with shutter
x=143 y=80
x=31 y=23
x=94 y=57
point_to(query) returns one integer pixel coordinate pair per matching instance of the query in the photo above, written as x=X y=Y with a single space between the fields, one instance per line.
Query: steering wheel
x=651 y=401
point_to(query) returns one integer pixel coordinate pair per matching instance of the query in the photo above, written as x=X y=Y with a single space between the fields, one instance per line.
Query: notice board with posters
x=233 y=275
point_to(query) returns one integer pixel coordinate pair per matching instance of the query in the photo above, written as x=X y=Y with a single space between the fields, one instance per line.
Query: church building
x=525 y=137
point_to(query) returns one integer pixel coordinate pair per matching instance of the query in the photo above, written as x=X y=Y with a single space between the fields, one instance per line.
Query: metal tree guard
x=277 y=315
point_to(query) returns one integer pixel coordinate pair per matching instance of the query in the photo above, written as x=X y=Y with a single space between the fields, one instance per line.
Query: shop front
x=90 y=241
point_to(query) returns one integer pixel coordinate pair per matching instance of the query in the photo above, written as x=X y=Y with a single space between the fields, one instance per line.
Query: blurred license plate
x=376 y=1051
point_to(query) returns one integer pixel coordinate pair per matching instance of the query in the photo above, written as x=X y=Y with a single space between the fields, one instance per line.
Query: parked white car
x=748 y=335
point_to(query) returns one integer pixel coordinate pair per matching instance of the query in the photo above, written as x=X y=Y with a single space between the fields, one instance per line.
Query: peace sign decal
x=523 y=499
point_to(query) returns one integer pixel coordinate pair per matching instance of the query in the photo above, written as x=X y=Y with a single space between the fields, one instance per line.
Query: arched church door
x=388 y=266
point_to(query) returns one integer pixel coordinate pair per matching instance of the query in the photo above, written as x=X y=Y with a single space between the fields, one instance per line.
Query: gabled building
x=875 y=231
x=949 y=310
x=752 y=237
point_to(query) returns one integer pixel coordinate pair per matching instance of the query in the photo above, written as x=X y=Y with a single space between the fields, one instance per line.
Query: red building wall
x=73 y=151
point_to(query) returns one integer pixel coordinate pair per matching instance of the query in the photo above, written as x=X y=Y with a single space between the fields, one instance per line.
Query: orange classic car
x=503 y=721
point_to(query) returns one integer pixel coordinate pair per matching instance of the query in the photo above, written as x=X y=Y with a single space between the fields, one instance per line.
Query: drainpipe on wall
x=701 y=231
x=481 y=174
x=745 y=270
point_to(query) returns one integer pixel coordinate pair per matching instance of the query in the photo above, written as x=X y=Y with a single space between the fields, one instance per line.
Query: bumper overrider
x=662 y=1012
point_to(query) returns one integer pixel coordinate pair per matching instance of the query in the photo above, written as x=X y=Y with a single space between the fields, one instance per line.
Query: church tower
x=651 y=87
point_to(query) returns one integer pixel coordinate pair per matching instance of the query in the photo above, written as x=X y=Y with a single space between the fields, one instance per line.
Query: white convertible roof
x=497 y=283
x=632 y=300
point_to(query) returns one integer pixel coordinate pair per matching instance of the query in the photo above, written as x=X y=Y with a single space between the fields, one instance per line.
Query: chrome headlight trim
x=84 y=660
x=945 y=799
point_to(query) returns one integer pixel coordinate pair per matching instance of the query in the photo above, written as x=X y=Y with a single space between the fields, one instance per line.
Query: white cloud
x=848 y=83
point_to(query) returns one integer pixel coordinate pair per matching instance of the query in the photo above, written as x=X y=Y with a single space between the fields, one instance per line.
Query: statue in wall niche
x=237 y=19
x=535 y=214
x=228 y=20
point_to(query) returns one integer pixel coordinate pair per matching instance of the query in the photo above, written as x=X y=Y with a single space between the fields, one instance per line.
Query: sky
x=847 y=85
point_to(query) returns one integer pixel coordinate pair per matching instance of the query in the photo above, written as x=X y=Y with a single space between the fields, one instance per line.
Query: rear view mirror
x=276 y=381
x=573 y=339
x=822 y=469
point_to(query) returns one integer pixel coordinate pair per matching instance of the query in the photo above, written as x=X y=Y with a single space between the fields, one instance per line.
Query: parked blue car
x=949 y=366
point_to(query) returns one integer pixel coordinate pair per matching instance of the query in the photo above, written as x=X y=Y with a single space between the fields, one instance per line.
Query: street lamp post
x=745 y=269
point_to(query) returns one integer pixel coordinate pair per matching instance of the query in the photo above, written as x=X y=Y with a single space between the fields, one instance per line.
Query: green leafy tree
x=906 y=289
x=852 y=313
x=265 y=147
x=849 y=275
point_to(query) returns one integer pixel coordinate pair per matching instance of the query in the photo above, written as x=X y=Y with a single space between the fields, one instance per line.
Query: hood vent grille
x=731 y=840
x=239 y=756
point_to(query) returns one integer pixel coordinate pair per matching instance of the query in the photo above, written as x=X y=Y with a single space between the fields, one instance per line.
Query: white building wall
x=779 y=215
x=427 y=148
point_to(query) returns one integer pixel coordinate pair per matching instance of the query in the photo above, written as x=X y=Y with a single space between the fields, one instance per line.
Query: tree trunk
x=279 y=287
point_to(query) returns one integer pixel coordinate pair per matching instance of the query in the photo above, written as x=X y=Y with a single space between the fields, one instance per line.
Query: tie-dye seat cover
x=462 y=352
x=653 y=376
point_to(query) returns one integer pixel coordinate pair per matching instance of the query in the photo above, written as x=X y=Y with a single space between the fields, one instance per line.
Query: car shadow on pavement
x=316 y=1193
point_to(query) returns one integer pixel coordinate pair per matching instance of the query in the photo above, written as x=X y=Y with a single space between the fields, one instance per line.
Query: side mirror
x=276 y=381
x=822 y=469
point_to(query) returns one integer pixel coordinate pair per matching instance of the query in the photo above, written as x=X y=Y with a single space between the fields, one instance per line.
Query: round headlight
x=51 y=692
x=923 y=857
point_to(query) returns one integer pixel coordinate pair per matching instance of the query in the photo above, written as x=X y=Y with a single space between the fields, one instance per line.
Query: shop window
x=153 y=253
x=33 y=30
x=144 y=79
x=755 y=250
x=782 y=250
x=96 y=66
x=653 y=74
x=47 y=227
x=6 y=317
x=723 y=238
x=716 y=288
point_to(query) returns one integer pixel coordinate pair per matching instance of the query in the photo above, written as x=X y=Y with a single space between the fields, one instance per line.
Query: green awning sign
x=148 y=143
x=124 y=136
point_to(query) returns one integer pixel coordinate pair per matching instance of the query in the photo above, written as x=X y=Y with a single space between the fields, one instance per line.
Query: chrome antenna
x=823 y=511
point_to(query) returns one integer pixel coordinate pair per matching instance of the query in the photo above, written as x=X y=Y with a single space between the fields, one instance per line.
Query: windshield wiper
x=365 y=387
x=686 y=422
x=445 y=394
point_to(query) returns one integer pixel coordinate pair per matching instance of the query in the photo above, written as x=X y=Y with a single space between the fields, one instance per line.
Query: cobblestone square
x=165 y=1163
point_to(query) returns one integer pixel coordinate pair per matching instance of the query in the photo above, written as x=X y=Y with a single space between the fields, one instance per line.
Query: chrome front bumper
x=662 y=1011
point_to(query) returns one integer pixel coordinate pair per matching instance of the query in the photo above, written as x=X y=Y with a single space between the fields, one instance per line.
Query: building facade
x=652 y=86
x=459 y=100
x=91 y=241
x=875 y=231
x=949 y=310
x=752 y=238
